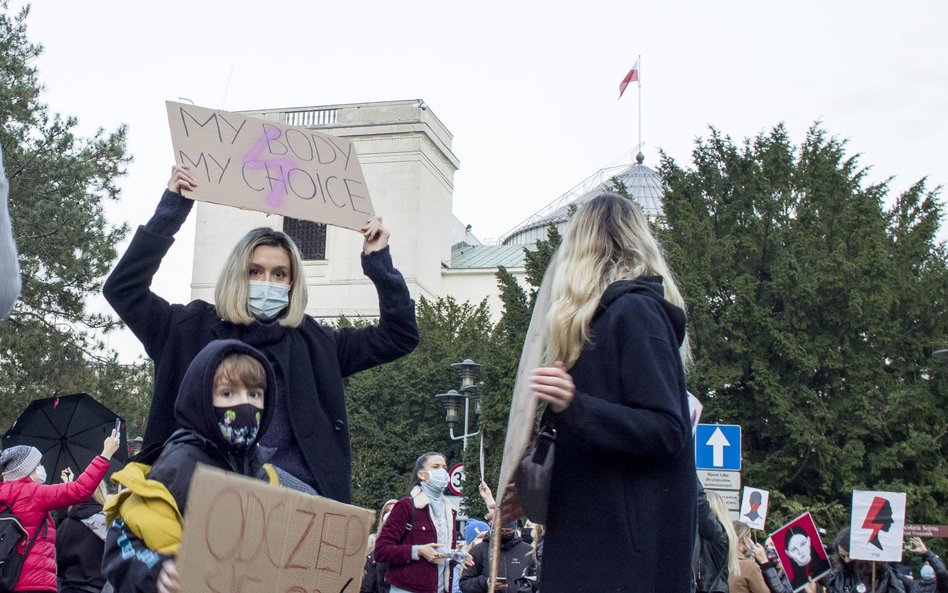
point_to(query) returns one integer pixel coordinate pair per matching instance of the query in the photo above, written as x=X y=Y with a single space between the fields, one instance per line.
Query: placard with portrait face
x=801 y=551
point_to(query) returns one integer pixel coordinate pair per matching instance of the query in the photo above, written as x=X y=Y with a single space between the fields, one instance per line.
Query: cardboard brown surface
x=246 y=536
x=266 y=166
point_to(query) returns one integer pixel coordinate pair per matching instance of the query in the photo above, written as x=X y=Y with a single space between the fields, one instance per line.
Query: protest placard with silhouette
x=754 y=507
x=877 y=527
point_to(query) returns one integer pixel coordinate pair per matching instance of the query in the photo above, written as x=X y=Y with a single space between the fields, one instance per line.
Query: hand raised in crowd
x=554 y=386
x=181 y=179
x=917 y=545
x=760 y=554
x=168 y=581
x=376 y=235
x=430 y=553
x=811 y=587
x=110 y=445
x=66 y=475
x=486 y=493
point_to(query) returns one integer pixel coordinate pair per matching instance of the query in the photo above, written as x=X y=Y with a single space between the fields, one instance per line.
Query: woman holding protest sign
x=615 y=395
x=260 y=299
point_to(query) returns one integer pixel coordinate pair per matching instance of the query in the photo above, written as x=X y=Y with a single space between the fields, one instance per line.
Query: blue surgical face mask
x=268 y=299
x=927 y=573
x=438 y=479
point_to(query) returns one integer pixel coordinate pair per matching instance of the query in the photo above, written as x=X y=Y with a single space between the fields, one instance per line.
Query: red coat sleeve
x=60 y=496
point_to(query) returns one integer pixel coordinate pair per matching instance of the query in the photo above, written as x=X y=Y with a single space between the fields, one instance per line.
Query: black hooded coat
x=132 y=567
x=199 y=440
x=623 y=499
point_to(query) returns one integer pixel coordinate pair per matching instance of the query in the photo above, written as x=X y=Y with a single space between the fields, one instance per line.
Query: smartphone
x=118 y=425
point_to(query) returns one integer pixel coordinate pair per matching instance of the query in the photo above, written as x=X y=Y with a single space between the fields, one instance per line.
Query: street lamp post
x=468 y=372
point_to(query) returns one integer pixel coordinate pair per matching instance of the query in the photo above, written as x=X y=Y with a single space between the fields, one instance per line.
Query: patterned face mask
x=239 y=424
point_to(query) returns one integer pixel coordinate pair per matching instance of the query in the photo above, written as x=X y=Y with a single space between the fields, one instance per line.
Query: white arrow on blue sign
x=718 y=446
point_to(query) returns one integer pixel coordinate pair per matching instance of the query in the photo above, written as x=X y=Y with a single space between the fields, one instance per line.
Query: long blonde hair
x=720 y=511
x=100 y=493
x=231 y=295
x=607 y=239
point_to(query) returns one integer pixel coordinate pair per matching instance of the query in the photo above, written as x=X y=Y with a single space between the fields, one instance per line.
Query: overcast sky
x=527 y=88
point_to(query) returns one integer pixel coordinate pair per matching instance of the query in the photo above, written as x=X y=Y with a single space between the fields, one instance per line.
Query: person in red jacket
x=419 y=536
x=23 y=489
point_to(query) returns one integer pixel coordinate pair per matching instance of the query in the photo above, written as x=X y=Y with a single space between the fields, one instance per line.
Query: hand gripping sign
x=267 y=166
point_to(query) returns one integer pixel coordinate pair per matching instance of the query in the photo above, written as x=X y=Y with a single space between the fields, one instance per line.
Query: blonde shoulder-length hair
x=231 y=296
x=608 y=239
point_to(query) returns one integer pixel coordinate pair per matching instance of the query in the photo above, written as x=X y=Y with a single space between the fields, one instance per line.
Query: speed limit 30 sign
x=456 y=479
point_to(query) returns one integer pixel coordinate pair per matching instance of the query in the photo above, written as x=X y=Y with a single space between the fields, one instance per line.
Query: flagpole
x=639 y=62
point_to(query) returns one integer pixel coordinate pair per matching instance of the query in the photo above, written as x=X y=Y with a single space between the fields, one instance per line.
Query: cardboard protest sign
x=877 y=526
x=801 y=551
x=754 y=507
x=266 y=166
x=243 y=535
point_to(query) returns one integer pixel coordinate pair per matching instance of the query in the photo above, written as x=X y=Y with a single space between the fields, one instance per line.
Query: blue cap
x=474 y=527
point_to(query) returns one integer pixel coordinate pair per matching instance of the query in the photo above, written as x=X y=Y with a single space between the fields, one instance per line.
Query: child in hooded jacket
x=223 y=408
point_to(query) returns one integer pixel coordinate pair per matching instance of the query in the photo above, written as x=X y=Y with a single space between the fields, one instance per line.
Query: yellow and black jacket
x=145 y=519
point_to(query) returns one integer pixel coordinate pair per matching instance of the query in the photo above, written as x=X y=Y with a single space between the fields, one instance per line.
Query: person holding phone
x=24 y=488
x=515 y=557
x=419 y=538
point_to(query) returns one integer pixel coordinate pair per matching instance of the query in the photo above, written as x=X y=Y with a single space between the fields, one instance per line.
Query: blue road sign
x=718 y=446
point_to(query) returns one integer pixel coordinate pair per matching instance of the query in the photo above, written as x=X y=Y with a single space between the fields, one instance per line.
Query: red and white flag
x=632 y=76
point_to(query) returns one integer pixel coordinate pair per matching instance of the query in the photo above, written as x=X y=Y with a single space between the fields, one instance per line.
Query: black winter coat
x=310 y=361
x=711 y=572
x=198 y=441
x=623 y=499
x=79 y=547
x=940 y=583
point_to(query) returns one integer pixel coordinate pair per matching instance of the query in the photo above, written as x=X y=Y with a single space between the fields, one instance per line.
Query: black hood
x=194 y=409
x=652 y=287
x=84 y=510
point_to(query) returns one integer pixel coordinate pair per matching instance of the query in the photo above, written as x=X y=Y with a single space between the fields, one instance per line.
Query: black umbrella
x=69 y=431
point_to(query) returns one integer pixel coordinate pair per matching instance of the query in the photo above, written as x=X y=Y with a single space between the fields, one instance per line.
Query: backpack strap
x=411 y=520
x=36 y=535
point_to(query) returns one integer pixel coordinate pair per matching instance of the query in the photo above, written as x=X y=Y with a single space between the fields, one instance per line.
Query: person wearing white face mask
x=418 y=540
x=260 y=299
x=24 y=489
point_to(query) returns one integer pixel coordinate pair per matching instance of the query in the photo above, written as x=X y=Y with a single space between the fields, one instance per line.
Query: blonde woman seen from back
x=615 y=394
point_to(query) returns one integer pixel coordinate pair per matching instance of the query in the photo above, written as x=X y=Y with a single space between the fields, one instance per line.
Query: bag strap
x=36 y=535
x=544 y=441
x=411 y=520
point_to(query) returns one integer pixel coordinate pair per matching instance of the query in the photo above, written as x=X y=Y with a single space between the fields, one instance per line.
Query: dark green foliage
x=59 y=183
x=813 y=312
x=393 y=414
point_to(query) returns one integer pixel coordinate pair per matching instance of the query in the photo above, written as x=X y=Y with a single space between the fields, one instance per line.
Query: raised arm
x=128 y=287
x=60 y=496
x=396 y=332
